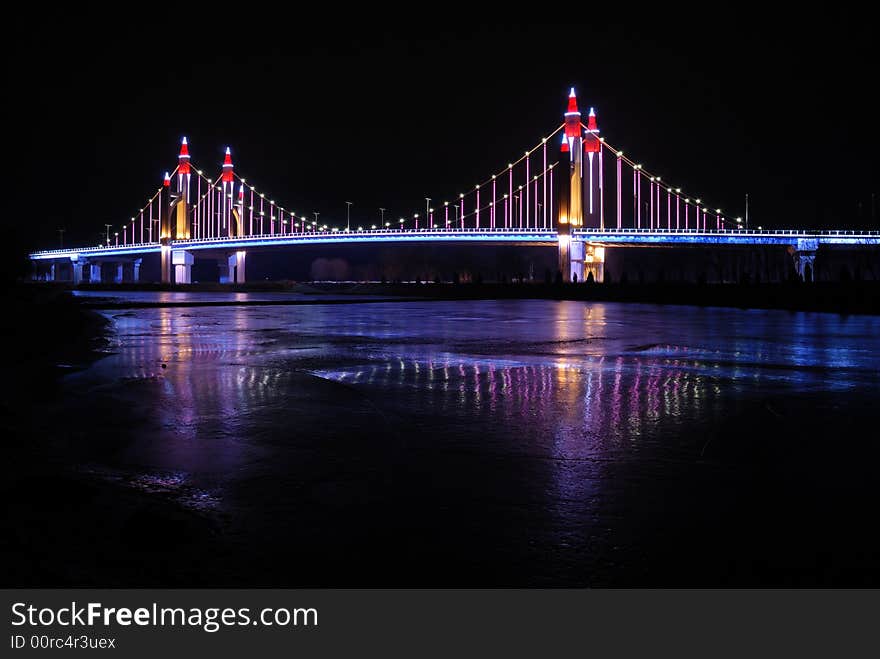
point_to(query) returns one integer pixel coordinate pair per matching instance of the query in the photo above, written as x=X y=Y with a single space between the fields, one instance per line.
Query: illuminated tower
x=183 y=171
x=592 y=174
x=181 y=222
x=580 y=197
x=228 y=181
x=570 y=198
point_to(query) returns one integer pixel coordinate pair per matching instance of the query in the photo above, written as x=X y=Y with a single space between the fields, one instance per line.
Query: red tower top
x=591 y=141
x=183 y=158
x=572 y=103
x=226 y=177
x=241 y=192
x=167 y=182
x=572 y=118
x=564 y=148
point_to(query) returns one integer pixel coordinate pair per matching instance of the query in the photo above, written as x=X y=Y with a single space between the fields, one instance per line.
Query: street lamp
x=348 y=215
x=382 y=215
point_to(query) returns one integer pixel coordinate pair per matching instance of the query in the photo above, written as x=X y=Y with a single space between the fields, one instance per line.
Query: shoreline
x=828 y=297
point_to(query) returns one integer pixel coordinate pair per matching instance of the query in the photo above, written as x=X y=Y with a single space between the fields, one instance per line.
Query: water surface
x=492 y=442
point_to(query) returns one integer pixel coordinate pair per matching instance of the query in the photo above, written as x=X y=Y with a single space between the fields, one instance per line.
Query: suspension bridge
x=572 y=190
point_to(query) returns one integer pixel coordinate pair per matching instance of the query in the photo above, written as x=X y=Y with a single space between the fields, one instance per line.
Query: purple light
x=619 y=215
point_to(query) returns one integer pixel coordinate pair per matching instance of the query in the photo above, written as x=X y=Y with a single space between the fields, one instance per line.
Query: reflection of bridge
x=584 y=211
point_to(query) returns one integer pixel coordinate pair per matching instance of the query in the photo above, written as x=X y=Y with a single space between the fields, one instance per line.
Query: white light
x=697 y=200
x=678 y=189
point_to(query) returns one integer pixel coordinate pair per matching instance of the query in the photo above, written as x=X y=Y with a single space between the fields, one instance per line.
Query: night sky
x=317 y=114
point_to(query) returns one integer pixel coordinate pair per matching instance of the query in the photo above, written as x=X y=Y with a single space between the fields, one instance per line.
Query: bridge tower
x=571 y=214
x=182 y=204
x=580 y=199
x=593 y=183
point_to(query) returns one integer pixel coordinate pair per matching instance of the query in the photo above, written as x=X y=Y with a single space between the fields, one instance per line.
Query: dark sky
x=317 y=114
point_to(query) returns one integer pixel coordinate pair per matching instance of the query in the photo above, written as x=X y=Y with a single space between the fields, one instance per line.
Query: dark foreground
x=508 y=443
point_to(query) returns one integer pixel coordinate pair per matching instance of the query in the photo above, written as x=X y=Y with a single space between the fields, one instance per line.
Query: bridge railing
x=532 y=231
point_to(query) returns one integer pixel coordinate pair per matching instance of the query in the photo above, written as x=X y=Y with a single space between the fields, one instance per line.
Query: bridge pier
x=183 y=262
x=165 y=266
x=119 y=274
x=51 y=275
x=95 y=273
x=77 y=267
x=232 y=270
x=804 y=255
x=136 y=269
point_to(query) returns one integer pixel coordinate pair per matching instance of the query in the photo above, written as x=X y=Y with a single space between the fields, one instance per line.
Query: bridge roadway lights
x=182 y=262
x=804 y=255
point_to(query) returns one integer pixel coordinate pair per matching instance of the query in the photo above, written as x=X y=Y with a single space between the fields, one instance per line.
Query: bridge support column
x=136 y=270
x=77 y=268
x=95 y=273
x=577 y=249
x=51 y=274
x=594 y=263
x=119 y=275
x=804 y=255
x=183 y=262
x=165 y=264
x=236 y=264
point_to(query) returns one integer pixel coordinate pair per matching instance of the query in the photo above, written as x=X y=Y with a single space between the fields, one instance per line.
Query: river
x=499 y=443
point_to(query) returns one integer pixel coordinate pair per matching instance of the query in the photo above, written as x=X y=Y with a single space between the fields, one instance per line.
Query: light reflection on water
x=606 y=370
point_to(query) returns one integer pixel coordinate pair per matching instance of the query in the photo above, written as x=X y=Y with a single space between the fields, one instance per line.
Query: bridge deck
x=631 y=237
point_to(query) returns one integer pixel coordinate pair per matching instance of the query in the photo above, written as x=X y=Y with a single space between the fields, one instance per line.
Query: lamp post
x=382 y=215
x=348 y=215
x=61 y=238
